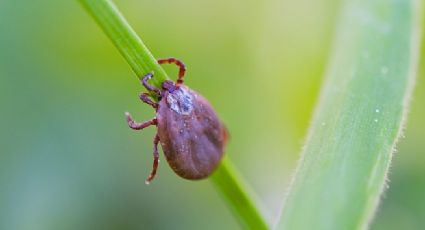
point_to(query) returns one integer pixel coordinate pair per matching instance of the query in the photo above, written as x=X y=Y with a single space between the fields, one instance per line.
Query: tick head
x=169 y=86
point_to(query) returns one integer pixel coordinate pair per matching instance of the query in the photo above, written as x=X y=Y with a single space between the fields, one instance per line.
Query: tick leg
x=149 y=86
x=138 y=126
x=180 y=64
x=146 y=99
x=155 y=159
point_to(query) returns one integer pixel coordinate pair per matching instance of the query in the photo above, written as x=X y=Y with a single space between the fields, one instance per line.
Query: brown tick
x=190 y=132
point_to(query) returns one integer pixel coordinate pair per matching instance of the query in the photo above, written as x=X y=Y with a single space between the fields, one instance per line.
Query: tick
x=190 y=133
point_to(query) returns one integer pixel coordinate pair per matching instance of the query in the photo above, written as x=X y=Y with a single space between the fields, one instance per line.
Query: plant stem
x=125 y=39
x=226 y=179
x=359 y=118
x=237 y=194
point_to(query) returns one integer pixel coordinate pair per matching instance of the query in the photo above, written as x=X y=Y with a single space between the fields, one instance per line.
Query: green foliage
x=125 y=39
x=359 y=118
x=356 y=125
x=238 y=196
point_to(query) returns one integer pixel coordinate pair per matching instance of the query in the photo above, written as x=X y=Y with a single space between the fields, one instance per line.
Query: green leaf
x=238 y=196
x=125 y=39
x=359 y=117
x=226 y=179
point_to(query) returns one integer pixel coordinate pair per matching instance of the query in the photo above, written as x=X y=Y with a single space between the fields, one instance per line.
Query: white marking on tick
x=180 y=101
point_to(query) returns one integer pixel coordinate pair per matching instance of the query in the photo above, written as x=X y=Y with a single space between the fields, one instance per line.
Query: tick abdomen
x=191 y=135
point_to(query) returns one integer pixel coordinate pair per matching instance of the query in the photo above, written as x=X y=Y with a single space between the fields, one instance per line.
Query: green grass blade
x=359 y=118
x=227 y=181
x=238 y=196
x=125 y=39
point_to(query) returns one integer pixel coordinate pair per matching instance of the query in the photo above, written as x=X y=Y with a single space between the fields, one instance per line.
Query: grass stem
x=227 y=181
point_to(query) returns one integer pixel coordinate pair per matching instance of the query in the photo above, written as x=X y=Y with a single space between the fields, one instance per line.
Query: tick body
x=190 y=133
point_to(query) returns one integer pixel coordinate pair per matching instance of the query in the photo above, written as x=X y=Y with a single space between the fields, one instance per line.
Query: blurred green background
x=69 y=161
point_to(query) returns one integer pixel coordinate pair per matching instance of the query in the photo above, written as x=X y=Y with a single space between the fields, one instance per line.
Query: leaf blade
x=358 y=120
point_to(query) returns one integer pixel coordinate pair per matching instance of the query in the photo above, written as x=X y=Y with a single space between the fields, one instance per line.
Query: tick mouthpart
x=169 y=86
